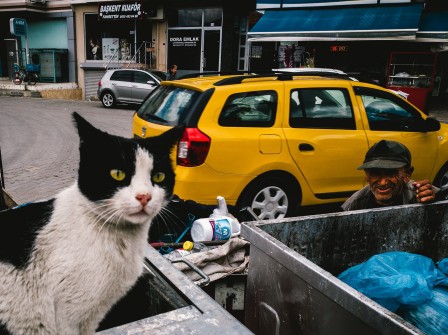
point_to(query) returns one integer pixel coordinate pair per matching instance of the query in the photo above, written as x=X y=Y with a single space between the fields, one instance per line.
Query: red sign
x=339 y=48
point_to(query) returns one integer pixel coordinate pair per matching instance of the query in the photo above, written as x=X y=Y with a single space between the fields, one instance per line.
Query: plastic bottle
x=222 y=207
x=194 y=246
x=223 y=211
x=219 y=226
x=188 y=248
x=177 y=253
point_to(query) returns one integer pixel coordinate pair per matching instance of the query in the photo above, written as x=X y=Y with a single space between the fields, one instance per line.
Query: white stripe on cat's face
x=141 y=200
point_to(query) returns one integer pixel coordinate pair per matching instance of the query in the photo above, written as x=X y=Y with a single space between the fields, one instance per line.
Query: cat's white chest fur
x=79 y=270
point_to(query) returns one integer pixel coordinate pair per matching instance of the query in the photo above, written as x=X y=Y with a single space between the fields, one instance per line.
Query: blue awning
x=338 y=24
x=433 y=27
x=269 y=4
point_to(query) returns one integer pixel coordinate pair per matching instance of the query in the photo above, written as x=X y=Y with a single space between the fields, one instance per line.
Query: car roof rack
x=212 y=73
x=280 y=74
x=283 y=75
x=240 y=79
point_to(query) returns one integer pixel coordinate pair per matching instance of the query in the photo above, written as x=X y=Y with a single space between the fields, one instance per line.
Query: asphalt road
x=39 y=143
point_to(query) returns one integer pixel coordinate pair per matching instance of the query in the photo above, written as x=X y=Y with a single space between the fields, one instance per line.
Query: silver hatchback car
x=127 y=85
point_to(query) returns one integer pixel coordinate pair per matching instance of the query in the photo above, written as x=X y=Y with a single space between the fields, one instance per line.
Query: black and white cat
x=66 y=261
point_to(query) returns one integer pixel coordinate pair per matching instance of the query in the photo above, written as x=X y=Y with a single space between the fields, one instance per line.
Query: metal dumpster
x=165 y=301
x=292 y=286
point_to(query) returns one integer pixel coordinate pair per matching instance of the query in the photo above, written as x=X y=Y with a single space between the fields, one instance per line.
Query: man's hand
x=424 y=191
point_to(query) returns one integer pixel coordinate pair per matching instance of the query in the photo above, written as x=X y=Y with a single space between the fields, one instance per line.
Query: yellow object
x=277 y=142
x=188 y=245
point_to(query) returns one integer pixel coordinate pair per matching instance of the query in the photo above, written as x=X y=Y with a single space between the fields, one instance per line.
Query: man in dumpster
x=388 y=170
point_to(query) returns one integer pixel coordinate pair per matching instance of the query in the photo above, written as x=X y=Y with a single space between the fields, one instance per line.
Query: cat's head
x=127 y=180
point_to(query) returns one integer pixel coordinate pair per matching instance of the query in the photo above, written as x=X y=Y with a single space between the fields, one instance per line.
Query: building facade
x=399 y=44
x=78 y=40
x=48 y=41
x=198 y=36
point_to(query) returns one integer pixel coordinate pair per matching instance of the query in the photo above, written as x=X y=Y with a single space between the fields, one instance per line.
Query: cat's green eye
x=158 y=177
x=117 y=174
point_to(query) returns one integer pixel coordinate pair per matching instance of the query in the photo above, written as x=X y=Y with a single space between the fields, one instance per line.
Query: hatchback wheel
x=271 y=198
x=108 y=99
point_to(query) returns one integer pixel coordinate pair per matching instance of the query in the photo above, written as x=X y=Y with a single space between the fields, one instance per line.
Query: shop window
x=209 y=17
x=106 y=40
x=190 y=17
x=249 y=109
x=321 y=109
x=212 y=17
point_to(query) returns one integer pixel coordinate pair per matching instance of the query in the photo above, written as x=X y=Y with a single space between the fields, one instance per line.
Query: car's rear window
x=168 y=105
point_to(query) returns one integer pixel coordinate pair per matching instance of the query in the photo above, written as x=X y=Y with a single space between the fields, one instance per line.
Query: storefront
x=199 y=36
x=208 y=36
x=49 y=40
x=359 y=38
x=114 y=34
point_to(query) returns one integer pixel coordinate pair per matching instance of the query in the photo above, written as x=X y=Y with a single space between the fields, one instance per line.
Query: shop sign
x=339 y=48
x=18 y=27
x=184 y=48
x=120 y=10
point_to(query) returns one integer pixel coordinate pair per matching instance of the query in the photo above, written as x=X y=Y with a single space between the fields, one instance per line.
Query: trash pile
x=410 y=285
x=212 y=244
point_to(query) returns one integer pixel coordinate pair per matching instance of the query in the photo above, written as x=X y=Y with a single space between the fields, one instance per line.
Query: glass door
x=211 y=50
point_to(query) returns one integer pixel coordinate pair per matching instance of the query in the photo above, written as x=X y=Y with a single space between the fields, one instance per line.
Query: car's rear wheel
x=108 y=99
x=271 y=197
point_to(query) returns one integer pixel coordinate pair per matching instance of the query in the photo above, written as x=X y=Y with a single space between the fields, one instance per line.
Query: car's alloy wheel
x=270 y=198
x=108 y=100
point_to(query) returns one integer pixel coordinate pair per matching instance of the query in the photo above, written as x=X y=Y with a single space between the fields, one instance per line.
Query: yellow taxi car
x=277 y=142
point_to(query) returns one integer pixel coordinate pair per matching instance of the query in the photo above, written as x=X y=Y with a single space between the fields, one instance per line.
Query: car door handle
x=306 y=147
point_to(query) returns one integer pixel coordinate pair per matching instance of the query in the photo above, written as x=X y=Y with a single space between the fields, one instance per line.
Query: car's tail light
x=193 y=148
x=99 y=84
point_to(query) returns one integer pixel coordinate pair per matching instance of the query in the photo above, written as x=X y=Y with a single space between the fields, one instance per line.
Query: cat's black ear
x=85 y=129
x=171 y=137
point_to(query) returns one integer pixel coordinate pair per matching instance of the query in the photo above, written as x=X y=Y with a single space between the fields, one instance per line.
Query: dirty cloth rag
x=219 y=262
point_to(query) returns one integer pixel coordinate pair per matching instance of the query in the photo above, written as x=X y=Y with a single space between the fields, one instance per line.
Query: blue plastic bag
x=443 y=265
x=395 y=278
x=431 y=316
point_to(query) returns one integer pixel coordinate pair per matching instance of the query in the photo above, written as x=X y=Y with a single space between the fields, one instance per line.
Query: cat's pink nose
x=143 y=198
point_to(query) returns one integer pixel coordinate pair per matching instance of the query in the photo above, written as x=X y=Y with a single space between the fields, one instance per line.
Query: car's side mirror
x=431 y=125
x=151 y=82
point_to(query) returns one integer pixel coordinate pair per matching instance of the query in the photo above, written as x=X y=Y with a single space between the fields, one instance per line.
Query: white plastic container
x=215 y=228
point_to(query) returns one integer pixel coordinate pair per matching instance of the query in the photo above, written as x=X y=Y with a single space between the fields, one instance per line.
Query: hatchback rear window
x=168 y=105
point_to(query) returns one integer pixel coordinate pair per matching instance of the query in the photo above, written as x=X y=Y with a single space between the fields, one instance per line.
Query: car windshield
x=168 y=105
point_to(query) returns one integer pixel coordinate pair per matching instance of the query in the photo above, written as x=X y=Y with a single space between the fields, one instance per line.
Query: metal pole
x=135 y=38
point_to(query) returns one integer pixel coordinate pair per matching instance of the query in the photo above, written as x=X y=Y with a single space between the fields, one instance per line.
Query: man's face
x=386 y=184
